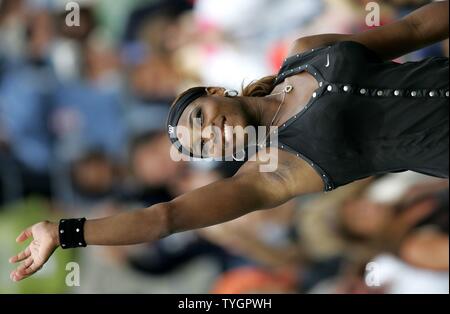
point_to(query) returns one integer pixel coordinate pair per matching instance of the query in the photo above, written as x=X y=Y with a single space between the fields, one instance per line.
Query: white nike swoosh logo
x=328 y=61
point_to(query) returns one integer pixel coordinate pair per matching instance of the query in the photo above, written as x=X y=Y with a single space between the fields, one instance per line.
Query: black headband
x=177 y=110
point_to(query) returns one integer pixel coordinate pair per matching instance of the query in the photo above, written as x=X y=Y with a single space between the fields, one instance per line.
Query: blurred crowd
x=82 y=113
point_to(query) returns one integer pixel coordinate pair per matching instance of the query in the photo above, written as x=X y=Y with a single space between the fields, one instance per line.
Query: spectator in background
x=12 y=30
x=153 y=170
x=247 y=280
x=27 y=95
x=153 y=79
x=93 y=104
x=94 y=176
x=359 y=222
x=153 y=83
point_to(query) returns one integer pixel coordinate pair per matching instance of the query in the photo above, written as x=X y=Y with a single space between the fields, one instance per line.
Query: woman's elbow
x=431 y=24
x=159 y=219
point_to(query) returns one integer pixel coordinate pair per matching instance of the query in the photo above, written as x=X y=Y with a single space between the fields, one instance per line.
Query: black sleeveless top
x=369 y=116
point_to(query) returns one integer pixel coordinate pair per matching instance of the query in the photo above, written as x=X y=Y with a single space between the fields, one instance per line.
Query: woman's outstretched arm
x=215 y=203
x=218 y=202
x=425 y=26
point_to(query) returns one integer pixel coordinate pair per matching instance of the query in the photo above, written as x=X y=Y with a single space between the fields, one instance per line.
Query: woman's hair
x=259 y=88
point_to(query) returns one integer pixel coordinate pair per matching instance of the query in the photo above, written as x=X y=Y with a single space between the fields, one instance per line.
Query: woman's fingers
x=25 y=264
x=17 y=273
x=24 y=235
x=16 y=276
x=31 y=269
x=21 y=256
x=25 y=270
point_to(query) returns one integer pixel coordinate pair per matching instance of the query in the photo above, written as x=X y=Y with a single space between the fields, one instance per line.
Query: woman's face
x=207 y=127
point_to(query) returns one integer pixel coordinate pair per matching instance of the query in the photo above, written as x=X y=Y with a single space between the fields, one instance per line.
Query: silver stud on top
x=380 y=93
x=329 y=88
x=363 y=91
x=79 y=243
x=447 y=94
x=61 y=231
x=77 y=230
x=396 y=92
x=346 y=88
x=432 y=94
x=314 y=95
x=414 y=93
x=320 y=84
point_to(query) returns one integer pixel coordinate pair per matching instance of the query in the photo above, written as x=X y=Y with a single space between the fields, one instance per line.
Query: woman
x=344 y=113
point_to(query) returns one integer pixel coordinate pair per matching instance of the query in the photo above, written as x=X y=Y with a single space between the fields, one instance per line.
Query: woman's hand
x=45 y=241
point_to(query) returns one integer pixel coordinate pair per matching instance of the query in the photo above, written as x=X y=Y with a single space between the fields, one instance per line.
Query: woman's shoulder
x=336 y=43
x=356 y=50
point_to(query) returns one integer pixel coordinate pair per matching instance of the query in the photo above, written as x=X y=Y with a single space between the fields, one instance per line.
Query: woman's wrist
x=53 y=230
x=71 y=233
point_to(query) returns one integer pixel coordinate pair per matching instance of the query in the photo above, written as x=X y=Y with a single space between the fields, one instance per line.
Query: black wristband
x=71 y=233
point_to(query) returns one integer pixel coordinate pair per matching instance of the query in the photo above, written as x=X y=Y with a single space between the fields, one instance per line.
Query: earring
x=231 y=93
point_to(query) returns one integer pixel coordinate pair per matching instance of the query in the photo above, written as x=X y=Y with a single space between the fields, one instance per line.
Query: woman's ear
x=218 y=91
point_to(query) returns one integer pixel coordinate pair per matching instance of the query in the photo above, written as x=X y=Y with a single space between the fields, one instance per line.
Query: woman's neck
x=262 y=110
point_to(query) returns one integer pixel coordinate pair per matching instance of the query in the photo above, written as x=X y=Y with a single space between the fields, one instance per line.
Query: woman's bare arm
x=426 y=25
x=215 y=203
x=218 y=202
x=221 y=201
